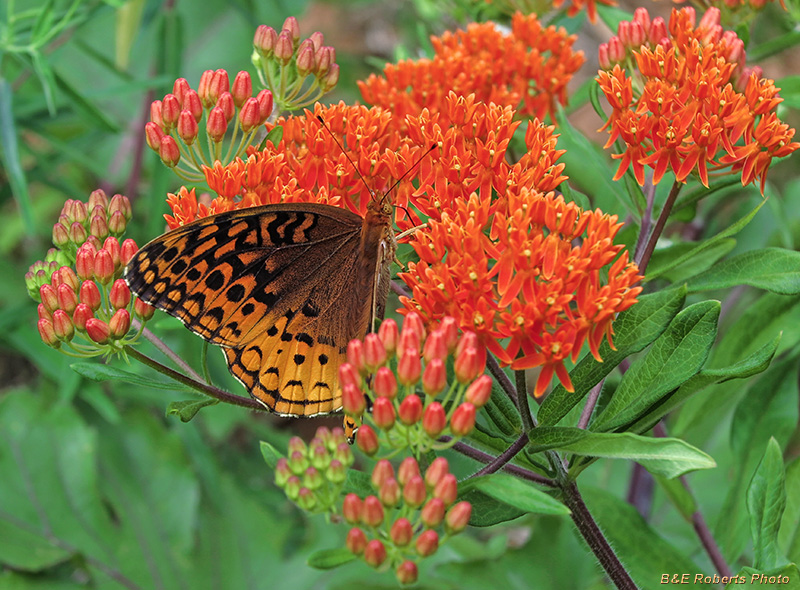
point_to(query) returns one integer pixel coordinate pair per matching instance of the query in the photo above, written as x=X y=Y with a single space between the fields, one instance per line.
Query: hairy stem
x=503 y=458
x=643 y=258
x=521 y=472
x=522 y=402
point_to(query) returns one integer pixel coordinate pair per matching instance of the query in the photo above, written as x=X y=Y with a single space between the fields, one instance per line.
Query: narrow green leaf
x=774 y=269
x=47 y=80
x=100 y=120
x=98 y=372
x=634 y=329
x=709 y=243
x=668 y=457
x=330 y=558
x=187 y=409
x=502 y=414
x=517 y=493
x=26 y=550
x=613 y=15
x=677 y=355
x=486 y=511
x=9 y=152
x=705 y=259
x=128 y=24
x=678 y=495
x=766 y=500
x=270 y=454
x=358 y=482
x=789 y=536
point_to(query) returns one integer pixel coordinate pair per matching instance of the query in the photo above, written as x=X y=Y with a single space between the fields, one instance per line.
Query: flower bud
x=372 y=511
x=389 y=493
x=374 y=353
x=616 y=51
x=434 y=379
x=435 y=346
x=225 y=102
x=353 y=400
x=375 y=553
x=98 y=330
x=90 y=295
x=120 y=323
x=282 y=472
x=436 y=471
x=62 y=325
x=250 y=115
x=49 y=297
x=117 y=223
x=410 y=410
x=427 y=543
x=468 y=365
x=382 y=471
x=312 y=478
x=389 y=336
x=319 y=456
x=351 y=508
x=120 y=295
x=336 y=472
x=43 y=313
x=170 y=109
x=355 y=356
x=218 y=85
x=306 y=62
x=297 y=445
x=264 y=40
x=432 y=513
x=463 y=420
x=344 y=454
x=479 y=391
x=60 y=235
x=265 y=103
x=407 y=573
x=409 y=341
x=187 y=127
x=292 y=28
x=446 y=489
x=153 y=135
x=179 y=88
x=367 y=440
x=97 y=197
x=384 y=383
x=414 y=492
x=77 y=233
x=284 y=48
x=142 y=310
x=169 y=152
x=401 y=532
x=306 y=499
x=216 y=125
x=434 y=419
x=408 y=468
x=292 y=488
x=82 y=313
x=409 y=367
x=328 y=81
x=155 y=115
x=383 y=413
x=457 y=517
x=48 y=333
x=242 y=88
x=84 y=262
x=658 y=31
x=356 y=541
x=103 y=267
x=348 y=374
x=193 y=104
x=67 y=299
x=325 y=58
x=603 y=58
x=127 y=251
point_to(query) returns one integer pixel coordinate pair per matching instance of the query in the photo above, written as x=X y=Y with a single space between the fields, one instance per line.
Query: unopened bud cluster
x=298 y=72
x=403 y=377
x=83 y=302
x=407 y=518
x=188 y=128
x=312 y=475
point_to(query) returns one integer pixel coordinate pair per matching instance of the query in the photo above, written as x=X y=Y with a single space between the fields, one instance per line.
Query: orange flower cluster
x=699 y=108
x=310 y=164
x=521 y=269
x=527 y=69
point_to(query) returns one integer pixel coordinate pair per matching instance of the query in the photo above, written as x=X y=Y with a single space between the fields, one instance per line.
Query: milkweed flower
x=527 y=69
x=689 y=105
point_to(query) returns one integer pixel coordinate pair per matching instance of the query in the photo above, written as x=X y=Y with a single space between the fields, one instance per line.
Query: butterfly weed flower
x=684 y=101
x=527 y=68
x=85 y=308
x=409 y=516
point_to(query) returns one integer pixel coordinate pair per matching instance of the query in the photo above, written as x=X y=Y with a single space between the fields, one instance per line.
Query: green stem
x=644 y=259
x=208 y=390
x=522 y=402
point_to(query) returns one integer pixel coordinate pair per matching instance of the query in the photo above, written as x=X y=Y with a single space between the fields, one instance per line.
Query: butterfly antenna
x=346 y=155
x=414 y=165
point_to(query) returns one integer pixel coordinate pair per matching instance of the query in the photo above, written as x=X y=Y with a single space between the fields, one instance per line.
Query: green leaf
x=677 y=355
x=187 y=409
x=270 y=454
x=613 y=15
x=9 y=154
x=47 y=80
x=486 y=511
x=26 y=550
x=707 y=244
x=357 y=482
x=664 y=257
x=766 y=500
x=774 y=269
x=100 y=120
x=517 y=493
x=668 y=457
x=752 y=365
x=786 y=578
x=330 y=558
x=99 y=372
x=789 y=536
x=644 y=552
x=680 y=497
x=502 y=415
x=634 y=329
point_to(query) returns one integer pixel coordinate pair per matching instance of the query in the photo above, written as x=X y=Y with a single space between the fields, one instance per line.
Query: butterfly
x=281 y=288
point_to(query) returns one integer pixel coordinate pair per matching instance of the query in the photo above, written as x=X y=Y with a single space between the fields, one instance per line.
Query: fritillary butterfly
x=282 y=289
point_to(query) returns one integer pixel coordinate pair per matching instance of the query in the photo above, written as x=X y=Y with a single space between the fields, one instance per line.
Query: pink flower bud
x=265 y=103
x=284 y=49
x=427 y=543
x=120 y=295
x=49 y=297
x=409 y=367
x=401 y=532
x=77 y=233
x=383 y=413
x=408 y=468
x=316 y=39
x=155 y=114
x=414 y=492
x=457 y=517
x=66 y=276
x=372 y=511
x=218 y=85
x=127 y=251
x=355 y=355
x=306 y=499
x=436 y=471
x=330 y=79
x=410 y=410
x=353 y=400
x=90 y=295
x=641 y=16
x=187 y=127
x=82 y=313
x=282 y=472
x=367 y=440
x=434 y=379
x=624 y=32
x=434 y=419
x=97 y=197
x=67 y=299
x=374 y=353
x=48 y=333
x=170 y=109
x=103 y=267
x=112 y=245
x=306 y=62
x=658 y=31
x=389 y=493
x=384 y=383
x=413 y=322
x=43 y=313
x=312 y=478
x=382 y=471
x=409 y=340
x=616 y=50
x=375 y=553
x=325 y=58
x=432 y=513
x=479 y=391
x=292 y=28
x=407 y=573
x=265 y=39
x=120 y=203
x=242 y=88
x=468 y=365
x=435 y=346
x=169 y=152
x=446 y=489
x=193 y=104
x=98 y=330
x=348 y=373
x=179 y=88
x=216 y=125
x=60 y=235
x=62 y=325
x=356 y=541
x=142 y=310
x=119 y=324
x=117 y=223
x=351 y=508
x=463 y=420
x=250 y=115
x=225 y=102
x=389 y=336
x=153 y=135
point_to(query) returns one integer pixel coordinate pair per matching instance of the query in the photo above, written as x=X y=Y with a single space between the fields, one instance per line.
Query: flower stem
x=520 y=472
x=522 y=401
x=503 y=458
x=208 y=390
x=643 y=258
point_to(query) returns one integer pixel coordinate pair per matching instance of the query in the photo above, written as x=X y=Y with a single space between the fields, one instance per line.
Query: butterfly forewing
x=282 y=288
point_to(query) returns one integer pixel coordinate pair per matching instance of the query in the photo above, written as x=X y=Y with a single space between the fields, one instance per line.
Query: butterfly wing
x=278 y=287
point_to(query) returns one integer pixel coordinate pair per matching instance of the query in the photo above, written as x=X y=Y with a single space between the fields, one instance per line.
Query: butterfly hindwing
x=278 y=287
